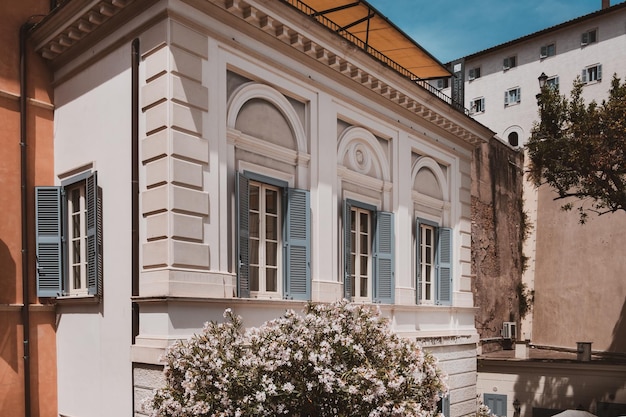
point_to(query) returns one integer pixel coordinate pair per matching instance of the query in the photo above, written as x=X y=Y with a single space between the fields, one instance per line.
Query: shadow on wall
x=10 y=319
x=618 y=345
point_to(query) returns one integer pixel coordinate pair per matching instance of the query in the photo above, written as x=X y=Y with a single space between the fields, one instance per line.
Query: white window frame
x=357 y=275
x=514 y=93
x=547 y=50
x=553 y=82
x=589 y=37
x=76 y=238
x=477 y=105
x=509 y=62
x=592 y=70
x=427 y=294
x=473 y=73
x=262 y=265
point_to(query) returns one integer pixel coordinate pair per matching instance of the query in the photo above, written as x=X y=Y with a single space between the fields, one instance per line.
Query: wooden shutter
x=93 y=205
x=599 y=72
x=48 y=233
x=496 y=403
x=347 y=287
x=506 y=98
x=243 y=275
x=297 y=247
x=384 y=285
x=444 y=266
x=519 y=95
x=584 y=75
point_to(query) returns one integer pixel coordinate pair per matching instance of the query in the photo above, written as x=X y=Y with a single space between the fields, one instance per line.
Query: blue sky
x=451 y=29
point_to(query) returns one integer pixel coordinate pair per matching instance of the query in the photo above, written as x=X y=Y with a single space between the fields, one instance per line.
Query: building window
x=474 y=73
x=69 y=238
x=547 y=50
x=592 y=74
x=273 y=239
x=513 y=139
x=553 y=83
x=443 y=83
x=589 y=37
x=496 y=403
x=434 y=263
x=509 y=62
x=368 y=253
x=512 y=96
x=443 y=405
x=477 y=105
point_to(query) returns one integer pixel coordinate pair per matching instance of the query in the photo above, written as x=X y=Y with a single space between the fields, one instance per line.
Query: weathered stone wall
x=497 y=233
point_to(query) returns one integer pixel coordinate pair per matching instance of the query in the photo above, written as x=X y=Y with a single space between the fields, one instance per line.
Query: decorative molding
x=269 y=150
x=433 y=166
x=363 y=152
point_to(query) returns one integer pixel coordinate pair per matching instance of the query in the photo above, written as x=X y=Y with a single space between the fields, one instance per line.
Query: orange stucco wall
x=40 y=171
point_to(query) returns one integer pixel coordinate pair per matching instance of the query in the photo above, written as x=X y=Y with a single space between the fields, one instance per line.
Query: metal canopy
x=363 y=25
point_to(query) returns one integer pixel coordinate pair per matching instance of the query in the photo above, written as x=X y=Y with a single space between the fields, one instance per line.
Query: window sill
x=78 y=299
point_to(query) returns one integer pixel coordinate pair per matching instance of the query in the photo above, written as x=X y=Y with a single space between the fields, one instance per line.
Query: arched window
x=513 y=139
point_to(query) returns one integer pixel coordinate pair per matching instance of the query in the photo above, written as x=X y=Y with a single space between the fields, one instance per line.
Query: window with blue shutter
x=368 y=253
x=433 y=263
x=68 y=228
x=496 y=403
x=272 y=218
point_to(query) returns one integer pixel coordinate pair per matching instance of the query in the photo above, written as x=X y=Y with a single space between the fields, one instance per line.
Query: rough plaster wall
x=496 y=236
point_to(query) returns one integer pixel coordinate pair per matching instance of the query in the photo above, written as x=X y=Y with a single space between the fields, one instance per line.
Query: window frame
x=381 y=278
x=477 y=109
x=595 y=69
x=509 y=62
x=473 y=73
x=547 y=50
x=295 y=250
x=52 y=230
x=507 y=96
x=442 y=260
x=586 y=37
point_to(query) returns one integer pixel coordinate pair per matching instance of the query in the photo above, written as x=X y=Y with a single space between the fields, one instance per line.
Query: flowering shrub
x=337 y=359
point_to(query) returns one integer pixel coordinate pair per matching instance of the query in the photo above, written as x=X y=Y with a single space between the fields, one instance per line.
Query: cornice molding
x=58 y=36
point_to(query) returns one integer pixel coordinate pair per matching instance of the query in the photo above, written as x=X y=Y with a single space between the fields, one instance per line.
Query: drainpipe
x=24 y=194
x=134 y=169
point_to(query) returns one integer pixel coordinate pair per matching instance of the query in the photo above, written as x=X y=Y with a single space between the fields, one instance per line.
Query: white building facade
x=276 y=163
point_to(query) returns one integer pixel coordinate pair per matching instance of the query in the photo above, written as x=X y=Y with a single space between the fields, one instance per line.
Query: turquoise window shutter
x=297 y=246
x=418 y=269
x=384 y=285
x=48 y=238
x=444 y=266
x=243 y=277
x=347 y=209
x=94 y=235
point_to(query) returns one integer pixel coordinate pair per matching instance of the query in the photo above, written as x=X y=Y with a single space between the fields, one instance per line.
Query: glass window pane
x=363 y=270
x=254 y=278
x=271 y=227
x=76 y=251
x=363 y=286
x=429 y=252
x=254 y=252
x=271 y=281
x=429 y=236
x=271 y=201
x=352 y=263
x=427 y=277
x=254 y=198
x=353 y=220
x=75 y=225
x=352 y=280
x=364 y=220
x=427 y=291
x=76 y=275
x=75 y=200
x=353 y=242
x=271 y=257
x=253 y=225
x=364 y=244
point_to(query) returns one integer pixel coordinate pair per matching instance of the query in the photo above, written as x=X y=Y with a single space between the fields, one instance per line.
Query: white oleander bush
x=339 y=360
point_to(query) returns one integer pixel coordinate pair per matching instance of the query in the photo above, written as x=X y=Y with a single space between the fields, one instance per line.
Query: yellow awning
x=361 y=23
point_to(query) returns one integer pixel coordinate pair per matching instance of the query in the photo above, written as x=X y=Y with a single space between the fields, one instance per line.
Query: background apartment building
x=575 y=271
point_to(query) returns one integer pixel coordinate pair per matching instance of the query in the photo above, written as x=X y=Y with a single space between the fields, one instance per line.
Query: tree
x=580 y=150
x=339 y=360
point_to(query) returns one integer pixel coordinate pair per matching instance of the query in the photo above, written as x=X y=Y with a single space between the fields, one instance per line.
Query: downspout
x=24 y=201
x=134 y=162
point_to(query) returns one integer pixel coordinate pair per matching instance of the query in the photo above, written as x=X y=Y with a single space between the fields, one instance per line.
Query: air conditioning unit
x=509 y=330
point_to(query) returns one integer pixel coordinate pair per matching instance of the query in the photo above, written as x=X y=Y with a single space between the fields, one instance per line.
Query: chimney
x=606 y=4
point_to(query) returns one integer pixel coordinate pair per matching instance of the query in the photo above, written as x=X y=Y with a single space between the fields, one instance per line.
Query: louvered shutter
x=519 y=95
x=418 y=261
x=48 y=233
x=584 y=75
x=585 y=38
x=243 y=275
x=599 y=72
x=506 y=98
x=94 y=235
x=444 y=266
x=297 y=246
x=347 y=287
x=384 y=287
